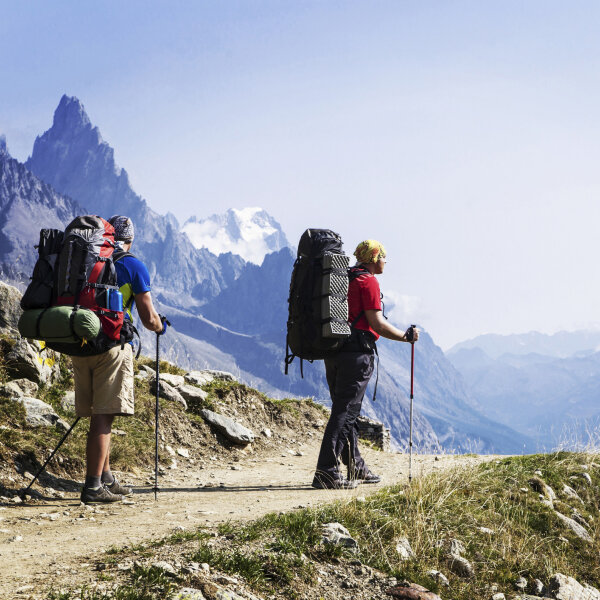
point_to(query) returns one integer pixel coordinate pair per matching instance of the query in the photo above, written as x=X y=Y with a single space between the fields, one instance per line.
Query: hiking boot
x=116 y=488
x=368 y=477
x=321 y=482
x=100 y=495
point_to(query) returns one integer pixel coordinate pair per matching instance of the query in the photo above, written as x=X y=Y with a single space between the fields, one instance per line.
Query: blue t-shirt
x=132 y=278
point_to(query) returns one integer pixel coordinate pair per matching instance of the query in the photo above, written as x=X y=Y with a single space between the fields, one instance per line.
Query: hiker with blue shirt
x=104 y=382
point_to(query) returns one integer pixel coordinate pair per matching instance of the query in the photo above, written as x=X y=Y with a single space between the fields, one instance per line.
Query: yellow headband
x=369 y=251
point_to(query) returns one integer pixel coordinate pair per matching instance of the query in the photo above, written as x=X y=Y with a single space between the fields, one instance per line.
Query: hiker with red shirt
x=349 y=371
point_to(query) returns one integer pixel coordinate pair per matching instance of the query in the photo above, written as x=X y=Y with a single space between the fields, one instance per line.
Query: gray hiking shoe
x=99 y=495
x=116 y=488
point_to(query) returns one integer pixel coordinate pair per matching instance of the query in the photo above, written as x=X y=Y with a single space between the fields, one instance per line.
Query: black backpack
x=317 y=324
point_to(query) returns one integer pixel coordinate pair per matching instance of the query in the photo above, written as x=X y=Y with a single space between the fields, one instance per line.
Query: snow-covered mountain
x=249 y=232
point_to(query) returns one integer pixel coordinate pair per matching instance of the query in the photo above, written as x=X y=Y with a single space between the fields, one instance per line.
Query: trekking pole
x=41 y=469
x=412 y=372
x=156 y=421
x=165 y=323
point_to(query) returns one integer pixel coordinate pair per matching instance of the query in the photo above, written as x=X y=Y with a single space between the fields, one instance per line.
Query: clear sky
x=463 y=135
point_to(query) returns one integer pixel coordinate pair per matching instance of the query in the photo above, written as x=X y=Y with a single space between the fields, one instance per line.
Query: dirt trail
x=61 y=539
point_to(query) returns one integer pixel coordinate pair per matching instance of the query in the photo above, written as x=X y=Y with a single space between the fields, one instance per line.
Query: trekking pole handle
x=410 y=334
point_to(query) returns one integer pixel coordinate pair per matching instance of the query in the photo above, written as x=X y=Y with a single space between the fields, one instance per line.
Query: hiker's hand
x=165 y=324
x=412 y=334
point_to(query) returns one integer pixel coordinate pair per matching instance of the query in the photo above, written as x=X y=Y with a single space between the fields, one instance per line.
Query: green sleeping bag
x=54 y=324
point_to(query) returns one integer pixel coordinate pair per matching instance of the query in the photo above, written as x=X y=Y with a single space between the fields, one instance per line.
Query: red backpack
x=81 y=273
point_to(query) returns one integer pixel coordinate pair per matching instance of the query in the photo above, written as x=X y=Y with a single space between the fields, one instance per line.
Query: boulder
x=405 y=552
x=571 y=493
x=563 y=587
x=192 y=393
x=174 y=380
x=26 y=359
x=438 y=577
x=67 y=402
x=10 y=308
x=18 y=387
x=207 y=375
x=235 y=432
x=521 y=584
x=338 y=535
x=168 y=392
x=575 y=527
x=40 y=414
x=460 y=566
x=411 y=591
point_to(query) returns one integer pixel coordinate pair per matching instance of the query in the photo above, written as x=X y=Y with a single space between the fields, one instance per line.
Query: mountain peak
x=70 y=114
x=3 y=147
x=248 y=232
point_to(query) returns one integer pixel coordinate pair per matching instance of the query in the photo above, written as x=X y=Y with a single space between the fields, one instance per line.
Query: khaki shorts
x=104 y=383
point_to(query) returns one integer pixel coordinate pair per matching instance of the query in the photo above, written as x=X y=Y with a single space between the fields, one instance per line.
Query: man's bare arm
x=385 y=329
x=148 y=314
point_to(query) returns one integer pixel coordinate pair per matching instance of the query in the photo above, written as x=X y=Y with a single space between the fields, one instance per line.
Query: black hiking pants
x=348 y=374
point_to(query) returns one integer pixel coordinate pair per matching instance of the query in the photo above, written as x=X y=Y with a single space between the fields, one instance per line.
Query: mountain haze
x=230 y=313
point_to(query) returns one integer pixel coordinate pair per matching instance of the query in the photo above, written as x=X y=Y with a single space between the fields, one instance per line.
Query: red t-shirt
x=363 y=294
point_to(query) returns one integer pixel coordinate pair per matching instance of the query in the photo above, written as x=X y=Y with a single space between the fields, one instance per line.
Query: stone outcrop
x=168 y=392
x=10 y=309
x=27 y=359
x=207 y=375
x=233 y=431
x=40 y=414
x=18 y=387
x=563 y=587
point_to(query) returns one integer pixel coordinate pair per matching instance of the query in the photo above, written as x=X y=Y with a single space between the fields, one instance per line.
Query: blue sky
x=464 y=135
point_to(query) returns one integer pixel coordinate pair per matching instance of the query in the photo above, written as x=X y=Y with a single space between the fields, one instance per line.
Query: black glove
x=165 y=324
x=410 y=334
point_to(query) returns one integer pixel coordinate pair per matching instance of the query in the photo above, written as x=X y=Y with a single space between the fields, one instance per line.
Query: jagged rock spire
x=70 y=114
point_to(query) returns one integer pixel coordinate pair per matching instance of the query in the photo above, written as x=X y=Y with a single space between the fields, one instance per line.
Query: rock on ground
x=206 y=376
x=26 y=359
x=338 y=535
x=405 y=552
x=192 y=393
x=168 y=392
x=171 y=379
x=19 y=387
x=235 y=432
x=10 y=308
x=575 y=527
x=40 y=414
x=411 y=591
x=460 y=566
x=438 y=577
x=563 y=587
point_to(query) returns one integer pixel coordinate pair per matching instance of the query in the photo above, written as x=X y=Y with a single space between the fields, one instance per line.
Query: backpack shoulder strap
x=120 y=255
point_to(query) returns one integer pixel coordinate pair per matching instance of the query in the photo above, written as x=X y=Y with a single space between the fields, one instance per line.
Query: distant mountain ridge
x=231 y=314
x=552 y=399
x=558 y=345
